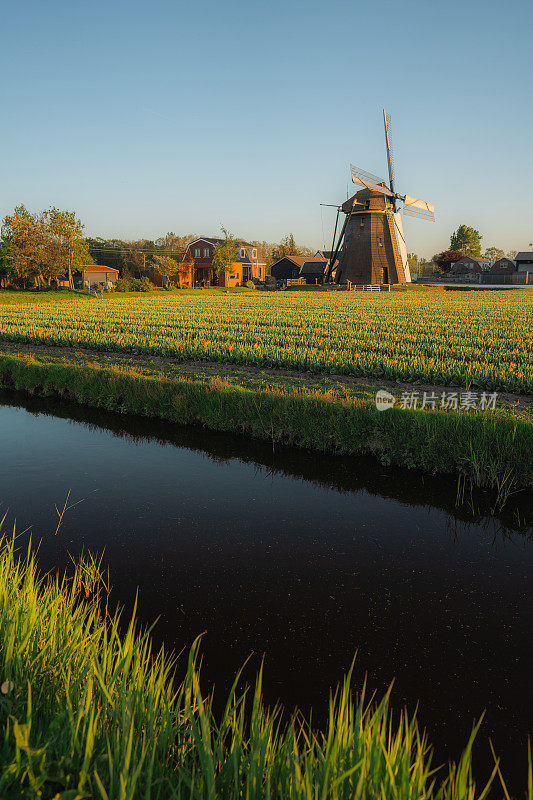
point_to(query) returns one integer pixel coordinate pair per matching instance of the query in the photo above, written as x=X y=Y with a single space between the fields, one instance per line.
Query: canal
x=303 y=558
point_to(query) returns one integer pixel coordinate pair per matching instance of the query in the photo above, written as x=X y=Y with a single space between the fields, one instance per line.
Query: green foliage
x=467 y=240
x=67 y=249
x=288 y=247
x=225 y=254
x=40 y=248
x=133 y=285
x=89 y=711
x=165 y=266
x=250 y=284
x=493 y=254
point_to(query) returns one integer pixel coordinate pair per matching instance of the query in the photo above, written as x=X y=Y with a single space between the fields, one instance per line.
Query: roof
x=325 y=253
x=301 y=260
x=208 y=239
x=524 y=256
x=480 y=261
x=97 y=268
x=314 y=266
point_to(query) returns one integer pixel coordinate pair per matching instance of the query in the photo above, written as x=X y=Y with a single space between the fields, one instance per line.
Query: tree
x=511 y=254
x=24 y=245
x=67 y=249
x=225 y=253
x=288 y=247
x=467 y=240
x=414 y=262
x=446 y=259
x=165 y=265
x=493 y=254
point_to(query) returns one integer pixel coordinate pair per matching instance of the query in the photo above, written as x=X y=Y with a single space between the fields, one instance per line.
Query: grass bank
x=89 y=711
x=493 y=449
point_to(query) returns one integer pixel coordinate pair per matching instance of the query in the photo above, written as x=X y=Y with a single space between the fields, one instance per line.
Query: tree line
x=40 y=249
x=49 y=248
x=465 y=241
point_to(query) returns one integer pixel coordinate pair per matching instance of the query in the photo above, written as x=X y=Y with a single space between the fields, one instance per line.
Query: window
x=254 y=253
x=260 y=272
x=197 y=252
x=206 y=252
x=243 y=252
x=234 y=277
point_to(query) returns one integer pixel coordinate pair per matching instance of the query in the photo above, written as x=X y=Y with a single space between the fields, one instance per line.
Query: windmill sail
x=369 y=181
x=418 y=208
x=402 y=247
x=390 y=155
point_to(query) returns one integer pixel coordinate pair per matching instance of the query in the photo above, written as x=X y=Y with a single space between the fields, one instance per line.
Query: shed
x=291 y=267
x=287 y=267
x=314 y=270
x=95 y=274
x=524 y=262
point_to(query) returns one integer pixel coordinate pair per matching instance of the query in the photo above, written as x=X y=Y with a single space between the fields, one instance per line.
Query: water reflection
x=303 y=557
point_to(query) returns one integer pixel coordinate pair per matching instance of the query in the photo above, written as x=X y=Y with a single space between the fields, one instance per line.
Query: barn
x=311 y=269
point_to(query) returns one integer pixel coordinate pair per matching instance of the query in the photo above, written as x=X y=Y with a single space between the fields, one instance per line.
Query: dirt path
x=170 y=366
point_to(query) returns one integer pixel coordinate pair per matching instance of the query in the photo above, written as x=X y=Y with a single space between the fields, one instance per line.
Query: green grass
x=14 y=298
x=493 y=449
x=8 y=297
x=89 y=711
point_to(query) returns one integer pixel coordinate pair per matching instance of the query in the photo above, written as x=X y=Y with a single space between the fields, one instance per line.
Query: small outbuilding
x=96 y=276
x=524 y=262
x=311 y=269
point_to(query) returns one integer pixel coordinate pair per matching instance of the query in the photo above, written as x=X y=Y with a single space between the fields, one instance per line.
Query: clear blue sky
x=148 y=117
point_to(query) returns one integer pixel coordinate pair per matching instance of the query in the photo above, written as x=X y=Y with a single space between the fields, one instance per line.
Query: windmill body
x=371 y=247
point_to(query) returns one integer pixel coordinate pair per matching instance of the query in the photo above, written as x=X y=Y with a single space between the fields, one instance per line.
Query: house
x=503 y=266
x=293 y=267
x=96 y=276
x=199 y=256
x=468 y=264
x=524 y=262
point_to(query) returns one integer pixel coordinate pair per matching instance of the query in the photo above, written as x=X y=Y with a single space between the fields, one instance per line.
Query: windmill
x=371 y=246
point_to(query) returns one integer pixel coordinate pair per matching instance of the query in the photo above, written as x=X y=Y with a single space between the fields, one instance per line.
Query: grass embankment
x=88 y=711
x=494 y=449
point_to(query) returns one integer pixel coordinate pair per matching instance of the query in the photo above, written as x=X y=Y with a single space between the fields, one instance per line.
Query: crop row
x=482 y=341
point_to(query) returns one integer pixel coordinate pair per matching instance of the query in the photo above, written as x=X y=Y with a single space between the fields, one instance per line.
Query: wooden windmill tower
x=371 y=246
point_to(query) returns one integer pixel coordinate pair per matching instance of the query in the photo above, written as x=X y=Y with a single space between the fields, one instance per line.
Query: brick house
x=503 y=266
x=199 y=256
x=469 y=264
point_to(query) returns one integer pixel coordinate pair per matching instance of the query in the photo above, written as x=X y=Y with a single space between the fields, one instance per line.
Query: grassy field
x=466 y=339
x=89 y=711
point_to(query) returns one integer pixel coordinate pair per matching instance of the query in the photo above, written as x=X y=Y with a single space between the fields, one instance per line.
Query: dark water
x=301 y=557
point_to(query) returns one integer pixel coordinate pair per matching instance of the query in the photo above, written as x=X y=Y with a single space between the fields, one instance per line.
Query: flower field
x=478 y=339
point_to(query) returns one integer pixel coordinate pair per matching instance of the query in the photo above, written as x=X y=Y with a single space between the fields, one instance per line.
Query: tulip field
x=449 y=338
